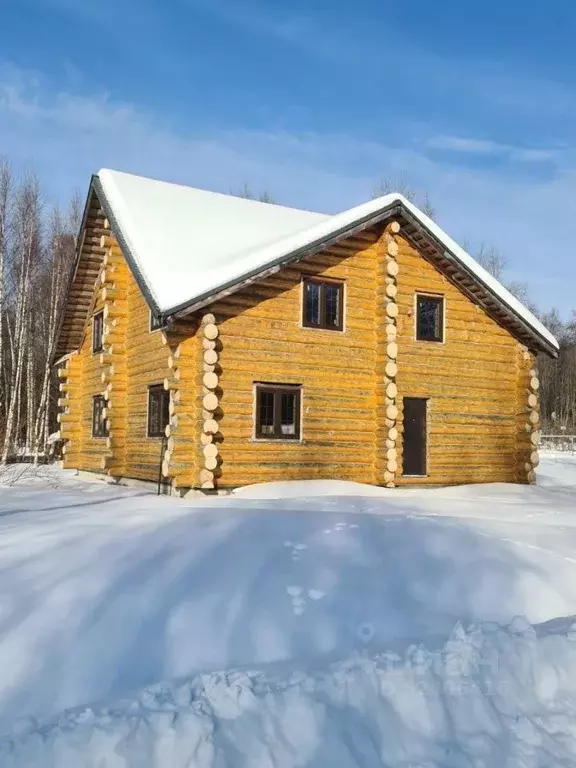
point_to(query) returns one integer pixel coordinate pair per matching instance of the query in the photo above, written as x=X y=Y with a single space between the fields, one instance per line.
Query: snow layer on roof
x=189 y=242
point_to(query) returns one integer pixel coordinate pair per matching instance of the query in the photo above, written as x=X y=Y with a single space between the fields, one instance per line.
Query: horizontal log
x=211 y=331
x=210 y=380
x=206 y=476
x=210 y=402
x=391 y=332
x=210 y=463
x=391 y=369
x=210 y=449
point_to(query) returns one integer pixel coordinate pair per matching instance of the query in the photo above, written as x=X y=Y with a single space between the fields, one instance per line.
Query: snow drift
x=105 y=591
x=492 y=696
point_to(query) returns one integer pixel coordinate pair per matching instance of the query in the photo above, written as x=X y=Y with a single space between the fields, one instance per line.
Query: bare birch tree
x=62 y=245
x=5 y=190
x=387 y=185
x=27 y=211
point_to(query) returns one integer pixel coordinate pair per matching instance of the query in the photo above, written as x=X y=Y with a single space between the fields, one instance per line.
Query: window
x=429 y=318
x=277 y=412
x=158 y=410
x=98 y=332
x=323 y=305
x=155 y=322
x=99 y=428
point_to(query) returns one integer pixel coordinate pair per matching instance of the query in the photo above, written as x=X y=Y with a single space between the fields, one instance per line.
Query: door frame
x=426 y=433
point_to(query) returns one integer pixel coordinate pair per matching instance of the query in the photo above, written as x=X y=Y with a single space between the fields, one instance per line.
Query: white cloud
x=487 y=148
x=68 y=137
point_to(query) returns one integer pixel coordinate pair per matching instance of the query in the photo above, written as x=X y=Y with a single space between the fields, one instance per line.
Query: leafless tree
x=489 y=257
x=5 y=199
x=387 y=185
x=36 y=254
x=248 y=194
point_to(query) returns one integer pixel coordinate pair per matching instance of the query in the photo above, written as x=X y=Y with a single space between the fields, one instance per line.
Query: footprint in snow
x=297 y=549
x=365 y=632
x=299 y=601
x=340 y=527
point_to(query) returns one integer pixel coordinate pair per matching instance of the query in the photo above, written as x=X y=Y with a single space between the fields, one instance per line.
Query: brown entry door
x=414 y=448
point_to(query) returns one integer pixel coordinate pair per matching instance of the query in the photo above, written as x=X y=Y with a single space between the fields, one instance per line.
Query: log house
x=217 y=342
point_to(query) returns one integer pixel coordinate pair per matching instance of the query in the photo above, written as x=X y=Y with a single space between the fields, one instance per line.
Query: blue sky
x=314 y=102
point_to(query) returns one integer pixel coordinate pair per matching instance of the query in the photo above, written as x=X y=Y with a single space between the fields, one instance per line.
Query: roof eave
x=79 y=246
x=395 y=208
x=124 y=244
x=209 y=297
x=544 y=344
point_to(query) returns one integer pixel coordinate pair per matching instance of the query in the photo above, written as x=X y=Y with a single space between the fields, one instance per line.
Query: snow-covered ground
x=302 y=624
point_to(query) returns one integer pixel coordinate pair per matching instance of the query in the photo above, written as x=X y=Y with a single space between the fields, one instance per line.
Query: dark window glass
x=312 y=303
x=278 y=412
x=97 y=332
x=332 y=294
x=99 y=428
x=288 y=414
x=323 y=306
x=266 y=412
x=155 y=322
x=429 y=318
x=158 y=410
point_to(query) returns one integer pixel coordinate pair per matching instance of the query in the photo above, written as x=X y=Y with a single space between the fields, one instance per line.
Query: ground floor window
x=99 y=428
x=158 y=410
x=278 y=411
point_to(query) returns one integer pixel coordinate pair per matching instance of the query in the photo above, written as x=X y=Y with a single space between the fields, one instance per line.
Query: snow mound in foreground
x=492 y=696
x=306 y=489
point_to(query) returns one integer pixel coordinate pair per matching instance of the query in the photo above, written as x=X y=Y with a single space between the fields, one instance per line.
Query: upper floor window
x=158 y=410
x=323 y=305
x=155 y=322
x=99 y=426
x=429 y=318
x=278 y=412
x=98 y=332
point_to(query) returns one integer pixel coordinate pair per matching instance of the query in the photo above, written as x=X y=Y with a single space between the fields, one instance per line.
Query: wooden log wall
x=132 y=359
x=69 y=402
x=114 y=280
x=148 y=363
x=471 y=381
x=179 y=465
x=527 y=416
x=94 y=450
x=481 y=384
x=386 y=313
x=261 y=339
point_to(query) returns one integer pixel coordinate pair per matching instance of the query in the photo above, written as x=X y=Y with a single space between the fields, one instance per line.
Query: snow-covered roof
x=188 y=244
x=189 y=241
